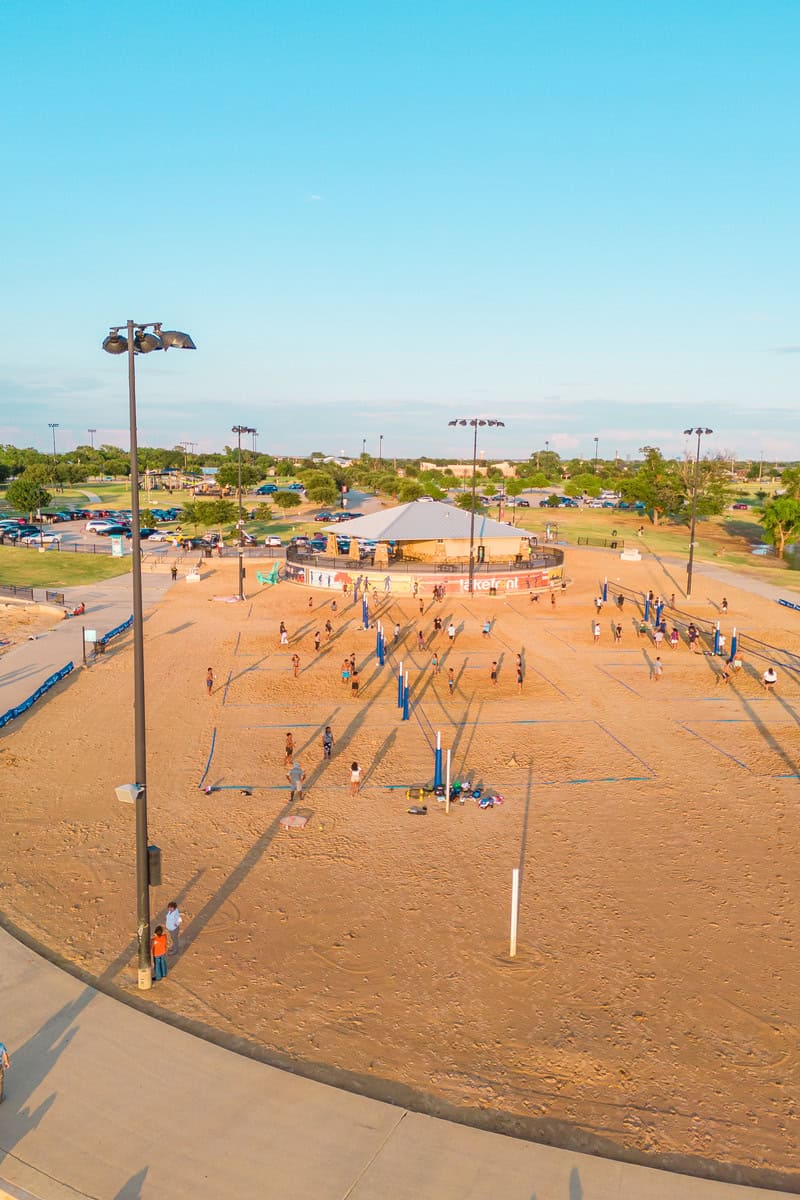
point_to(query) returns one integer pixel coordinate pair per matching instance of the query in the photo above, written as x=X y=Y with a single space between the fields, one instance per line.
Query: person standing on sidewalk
x=5 y=1063
x=158 y=953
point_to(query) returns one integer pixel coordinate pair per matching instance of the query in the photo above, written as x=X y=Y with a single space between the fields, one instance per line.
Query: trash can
x=207 y=552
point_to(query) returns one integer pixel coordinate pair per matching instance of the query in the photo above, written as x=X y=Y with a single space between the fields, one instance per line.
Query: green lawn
x=25 y=567
x=727 y=540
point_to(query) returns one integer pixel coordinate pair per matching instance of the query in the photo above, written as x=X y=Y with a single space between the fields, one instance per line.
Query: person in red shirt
x=158 y=952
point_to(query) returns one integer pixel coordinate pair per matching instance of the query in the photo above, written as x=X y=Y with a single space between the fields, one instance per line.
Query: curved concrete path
x=105 y=1102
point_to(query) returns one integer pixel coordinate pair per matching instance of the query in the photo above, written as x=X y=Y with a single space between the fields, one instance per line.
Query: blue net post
x=647 y=608
x=437 y=761
x=381 y=650
x=716 y=638
x=378 y=639
x=659 y=611
x=405 y=700
x=734 y=644
x=400 y=686
x=605 y=591
x=365 y=612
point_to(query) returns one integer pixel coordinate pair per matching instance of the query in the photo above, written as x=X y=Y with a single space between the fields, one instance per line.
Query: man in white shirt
x=173 y=922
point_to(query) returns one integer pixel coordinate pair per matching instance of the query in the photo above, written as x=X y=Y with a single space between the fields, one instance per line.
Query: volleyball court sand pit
x=651 y=1010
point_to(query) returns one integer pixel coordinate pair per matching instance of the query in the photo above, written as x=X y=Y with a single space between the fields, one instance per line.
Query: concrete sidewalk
x=105 y=1102
x=26 y=666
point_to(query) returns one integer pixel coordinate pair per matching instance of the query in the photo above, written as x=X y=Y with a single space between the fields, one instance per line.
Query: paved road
x=108 y=604
x=103 y=1101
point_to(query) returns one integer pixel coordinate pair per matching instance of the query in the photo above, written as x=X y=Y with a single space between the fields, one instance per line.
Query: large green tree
x=286 y=500
x=27 y=495
x=657 y=484
x=228 y=475
x=410 y=489
x=781 y=520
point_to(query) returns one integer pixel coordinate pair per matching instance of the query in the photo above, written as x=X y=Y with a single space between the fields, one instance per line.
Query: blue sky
x=580 y=218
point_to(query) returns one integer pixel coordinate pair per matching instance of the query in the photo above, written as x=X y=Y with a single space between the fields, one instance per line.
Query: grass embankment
x=25 y=567
x=727 y=540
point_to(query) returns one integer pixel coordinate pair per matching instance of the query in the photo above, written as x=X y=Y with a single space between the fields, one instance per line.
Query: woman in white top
x=355 y=779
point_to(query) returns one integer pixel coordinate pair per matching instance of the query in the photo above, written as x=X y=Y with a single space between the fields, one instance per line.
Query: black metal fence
x=609 y=543
x=21 y=593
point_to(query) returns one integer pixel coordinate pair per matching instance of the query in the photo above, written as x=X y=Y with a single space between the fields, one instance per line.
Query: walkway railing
x=541 y=558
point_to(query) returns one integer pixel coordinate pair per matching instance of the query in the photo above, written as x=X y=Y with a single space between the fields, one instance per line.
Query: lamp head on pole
x=144 y=343
x=174 y=338
x=115 y=343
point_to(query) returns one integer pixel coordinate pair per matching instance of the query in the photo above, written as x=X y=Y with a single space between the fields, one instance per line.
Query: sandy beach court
x=651 y=1011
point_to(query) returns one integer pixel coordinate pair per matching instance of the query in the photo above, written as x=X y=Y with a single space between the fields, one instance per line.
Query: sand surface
x=652 y=1008
x=20 y=622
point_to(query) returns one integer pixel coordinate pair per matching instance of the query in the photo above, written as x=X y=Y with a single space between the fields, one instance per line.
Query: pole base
x=144 y=980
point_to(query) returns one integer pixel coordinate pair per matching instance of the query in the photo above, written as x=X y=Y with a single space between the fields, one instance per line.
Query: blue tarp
x=37 y=695
x=112 y=633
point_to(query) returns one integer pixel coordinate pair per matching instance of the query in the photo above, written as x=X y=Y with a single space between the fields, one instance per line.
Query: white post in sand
x=447 y=785
x=512 y=949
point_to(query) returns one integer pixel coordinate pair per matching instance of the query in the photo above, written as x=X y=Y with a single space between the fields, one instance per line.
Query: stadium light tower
x=475 y=422
x=239 y=430
x=699 y=432
x=137 y=340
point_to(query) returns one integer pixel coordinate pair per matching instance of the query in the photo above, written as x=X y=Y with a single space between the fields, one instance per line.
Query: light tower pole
x=474 y=422
x=699 y=431
x=137 y=340
x=239 y=430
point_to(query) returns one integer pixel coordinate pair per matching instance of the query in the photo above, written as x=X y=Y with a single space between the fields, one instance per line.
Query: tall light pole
x=474 y=422
x=137 y=340
x=239 y=430
x=53 y=425
x=699 y=433
x=596 y=440
x=363 y=447
x=91 y=433
x=380 y=451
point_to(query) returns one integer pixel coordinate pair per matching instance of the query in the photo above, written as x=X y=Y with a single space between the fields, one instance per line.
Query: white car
x=164 y=535
x=272 y=539
x=100 y=523
x=41 y=539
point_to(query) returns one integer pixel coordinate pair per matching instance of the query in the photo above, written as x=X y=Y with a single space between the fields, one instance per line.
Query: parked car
x=323 y=516
x=17 y=532
x=164 y=535
x=146 y=533
x=40 y=539
x=300 y=539
x=272 y=539
x=295 y=487
x=740 y=507
x=568 y=502
x=115 y=531
x=318 y=544
x=11 y=522
x=521 y=502
x=99 y=523
x=266 y=489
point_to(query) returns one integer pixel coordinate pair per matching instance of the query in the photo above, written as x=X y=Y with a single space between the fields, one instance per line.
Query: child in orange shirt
x=158 y=952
